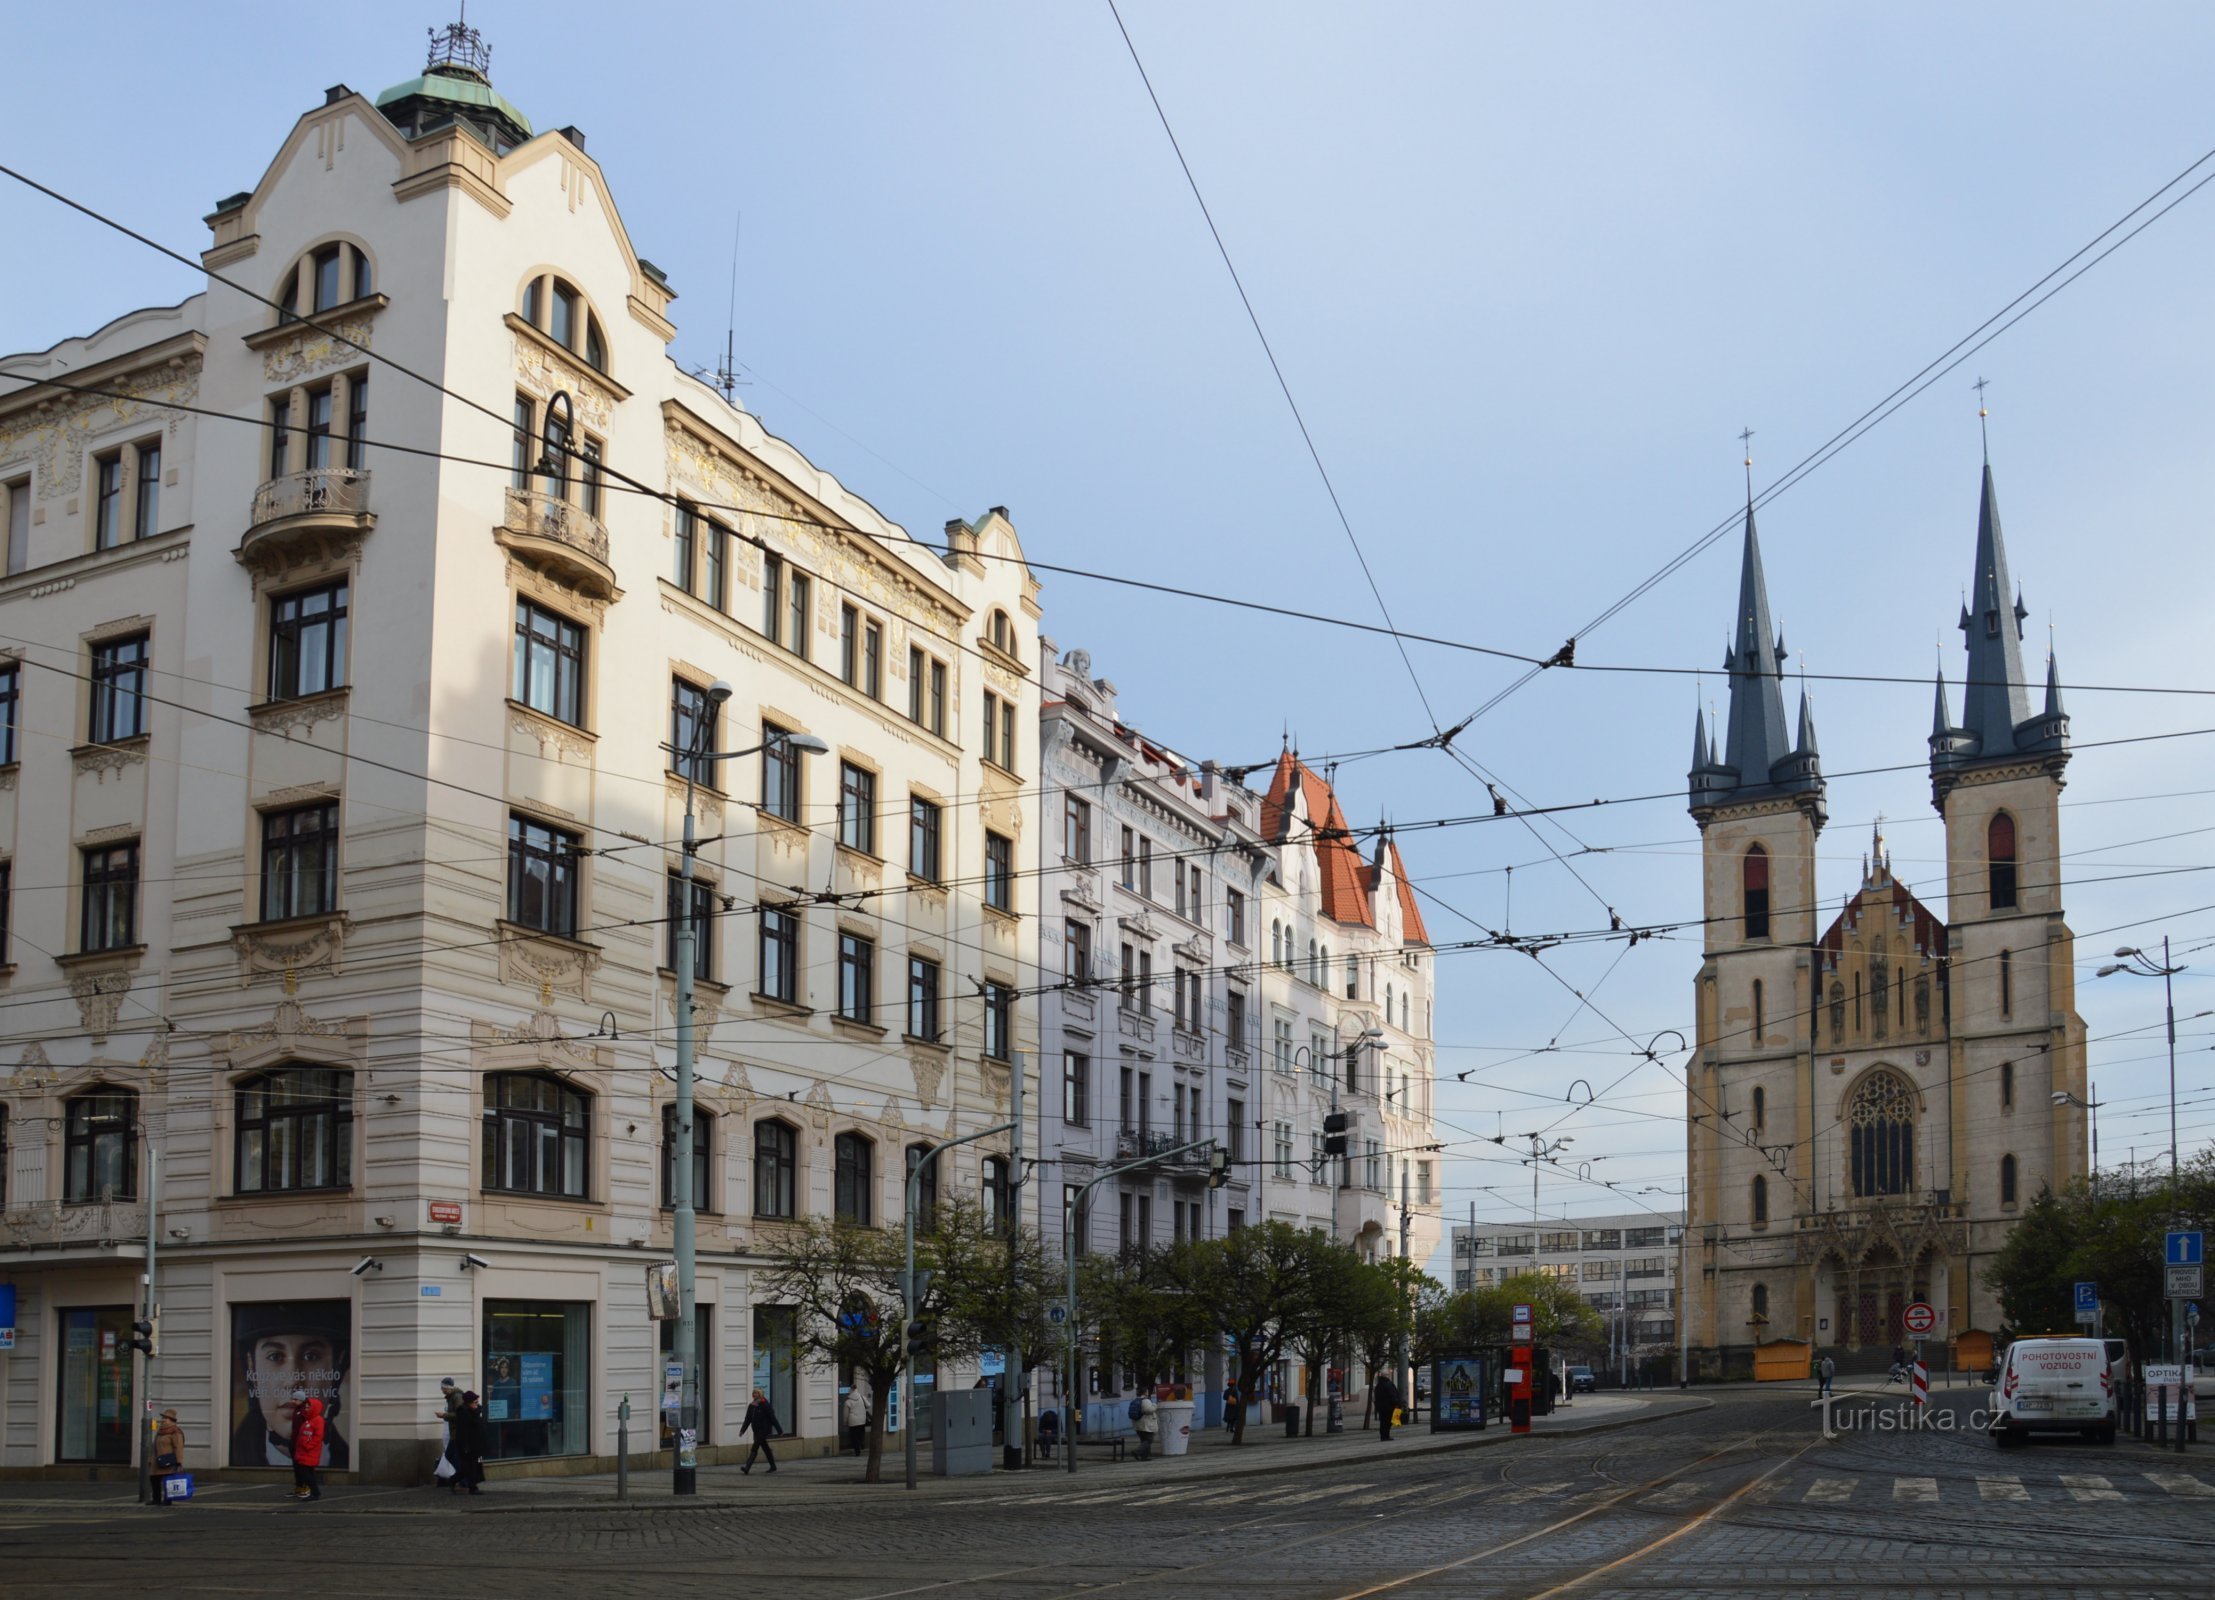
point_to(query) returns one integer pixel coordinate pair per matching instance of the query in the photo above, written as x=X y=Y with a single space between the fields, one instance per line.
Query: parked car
x=1581 y=1380
x=2054 y=1384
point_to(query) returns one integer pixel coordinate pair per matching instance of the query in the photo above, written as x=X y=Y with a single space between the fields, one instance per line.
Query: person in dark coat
x=1387 y=1399
x=761 y=1422
x=468 y=1429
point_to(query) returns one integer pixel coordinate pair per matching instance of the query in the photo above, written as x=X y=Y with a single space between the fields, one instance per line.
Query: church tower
x=1759 y=804
x=2016 y=1040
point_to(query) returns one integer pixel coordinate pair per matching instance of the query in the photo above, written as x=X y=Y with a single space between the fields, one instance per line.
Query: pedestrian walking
x=1825 y=1370
x=1232 y=1400
x=306 y=1446
x=468 y=1446
x=446 y=1474
x=1149 y=1423
x=855 y=1414
x=761 y=1422
x=1387 y=1400
x=169 y=1451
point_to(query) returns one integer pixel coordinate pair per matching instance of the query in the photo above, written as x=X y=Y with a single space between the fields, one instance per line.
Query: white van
x=2054 y=1384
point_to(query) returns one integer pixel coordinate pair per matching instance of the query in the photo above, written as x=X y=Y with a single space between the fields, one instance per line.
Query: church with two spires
x=1874 y=1099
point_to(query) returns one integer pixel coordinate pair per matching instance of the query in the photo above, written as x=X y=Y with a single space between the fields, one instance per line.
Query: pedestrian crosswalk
x=2077 y=1486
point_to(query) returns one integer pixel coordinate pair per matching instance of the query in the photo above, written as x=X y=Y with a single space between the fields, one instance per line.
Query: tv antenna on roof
x=726 y=375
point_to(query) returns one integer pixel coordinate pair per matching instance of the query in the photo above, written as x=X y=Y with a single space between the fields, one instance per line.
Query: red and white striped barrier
x=1919 y=1384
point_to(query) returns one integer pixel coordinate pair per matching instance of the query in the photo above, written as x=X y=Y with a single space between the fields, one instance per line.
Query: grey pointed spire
x=1994 y=700
x=1941 y=718
x=1806 y=744
x=1699 y=738
x=1755 y=739
x=2053 y=685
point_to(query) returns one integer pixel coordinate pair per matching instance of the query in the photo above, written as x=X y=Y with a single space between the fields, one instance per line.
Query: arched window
x=1837 y=1011
x=776 y=1170
x=1755 y=874
x=854 y=1181
x=556 y=308
x=2007 y=1180
x=1388 y=1002
x=295 y=1130
x=1999 y=850
x=926 y=1188
x=2007 y=983
x=1761 y=1108
x=1759 y=1019
x=1276 y=944
x=1761 y=1200
x=100 y=1146
x=537 y=1135
x=1880 y=994
x=328 y=276
x=1922 y=1003
x=1403 y=1011
x=2007 y=1085
x=703 y=1154
x=1880 y=1130
x=1002 y=632
x=1314 y=973
x=1761 y=1300
x=1353 y=978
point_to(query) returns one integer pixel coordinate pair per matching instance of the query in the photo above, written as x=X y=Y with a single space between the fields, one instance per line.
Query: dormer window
x=558 y=309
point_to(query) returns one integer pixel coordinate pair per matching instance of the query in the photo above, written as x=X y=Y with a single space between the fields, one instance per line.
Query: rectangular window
x=923 y=835
x=992 y=750
x=320 y=403
x=589 y=477
x=1146 y=981
x=95 y=1408
x=1234 y=1018
x=1146 y=867
x=307 y=641
x=11 y=705
x=780 y=774
x=119 y=689
x=1184 y=900
x=1124 y=1103
x=147 y=513
x=772 y=597
x=687 y=543
x=701 y=907
x=923 y=982
x=849 y=645
x=1234 y=1130
x=1076 y=951
x=1076 y=831
x=542 y=877
x=110 y=920
x=797 y=630
x=778 y=978
x=1282 y=1032
x=857 y=969
x=357 y=423
x=935 y=706
x=537 y=1365
x=692 y=732
x=999 y=871
x=715 y=566
x=776 y=1173
x=916 y=658
x=19 y=524
x=703 y=1149
x=325 y=268
x=1234 y=915
x=299 y=862
x=549 y=663
x=857 y=808
x=1076 y=1088
x=999 y=1021
x=872 y=660
x=1145 y=1102
x=1129 y=879
x=107 y=514
x=7 y=916
x=520 y=452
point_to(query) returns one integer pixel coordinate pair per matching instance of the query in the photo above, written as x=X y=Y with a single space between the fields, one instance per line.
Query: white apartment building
x=337 y=828
x=1624 y=1264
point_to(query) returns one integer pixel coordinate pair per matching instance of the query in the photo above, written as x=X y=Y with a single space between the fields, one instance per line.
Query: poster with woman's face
x=278 y=1347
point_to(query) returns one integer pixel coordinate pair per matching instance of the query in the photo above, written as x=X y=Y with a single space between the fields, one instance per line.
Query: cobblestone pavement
x=1743 y=1497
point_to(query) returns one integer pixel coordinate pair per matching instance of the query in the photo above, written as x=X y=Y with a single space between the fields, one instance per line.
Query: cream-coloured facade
x=360 y=928
x=1873 y=1100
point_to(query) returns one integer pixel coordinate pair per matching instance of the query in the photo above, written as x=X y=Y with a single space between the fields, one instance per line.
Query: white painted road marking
x=1832 y=1489
x=2002 y=1489
x=2088 y=1486
x=1914 y=1488
x=2180 y=1483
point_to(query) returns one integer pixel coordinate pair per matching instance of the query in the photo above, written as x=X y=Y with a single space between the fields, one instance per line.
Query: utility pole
x=911 y=1296
x=1014 y=1414
x=146 y=1493
x=1406 y=1375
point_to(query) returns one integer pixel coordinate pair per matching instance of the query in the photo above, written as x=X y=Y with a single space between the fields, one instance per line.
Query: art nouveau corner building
x=336 y=822
x=1871 y=1105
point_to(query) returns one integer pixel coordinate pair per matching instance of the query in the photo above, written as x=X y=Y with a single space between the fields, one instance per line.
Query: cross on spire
x=1983 y=431
x=1745 y=438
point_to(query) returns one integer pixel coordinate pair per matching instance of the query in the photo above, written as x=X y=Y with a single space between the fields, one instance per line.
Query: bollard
x=623 y=1449
x=2161 y=1413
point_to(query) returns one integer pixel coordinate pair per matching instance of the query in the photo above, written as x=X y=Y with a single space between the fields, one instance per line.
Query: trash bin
x=1175 y=1417
x=1290 y=1417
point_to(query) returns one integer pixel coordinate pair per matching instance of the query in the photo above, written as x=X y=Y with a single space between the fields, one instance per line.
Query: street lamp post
x=2062 y=1097
x=693 y=759
x=2133 y=960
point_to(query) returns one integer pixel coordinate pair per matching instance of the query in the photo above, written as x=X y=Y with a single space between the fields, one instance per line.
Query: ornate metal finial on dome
x=458 y=50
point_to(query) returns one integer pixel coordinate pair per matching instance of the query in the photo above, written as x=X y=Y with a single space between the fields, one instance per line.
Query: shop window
x=100 y=1146
x=536 y=1379
x=704 y=1366
x=295 y=1130
x=537 y=1136
x=776 y=1346
x=776 y=1170
x=94 y=1416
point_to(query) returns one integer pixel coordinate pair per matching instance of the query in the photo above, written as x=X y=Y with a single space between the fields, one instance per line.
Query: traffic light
x=143 y=1337
x=1218 y=1167
x=1334 y=1133
x=919 y=1338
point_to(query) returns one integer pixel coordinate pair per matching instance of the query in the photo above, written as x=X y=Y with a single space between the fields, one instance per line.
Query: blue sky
x=1528 y=271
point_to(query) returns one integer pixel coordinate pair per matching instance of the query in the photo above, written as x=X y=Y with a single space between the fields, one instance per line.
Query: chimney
x=335 y=93
x=575 y=136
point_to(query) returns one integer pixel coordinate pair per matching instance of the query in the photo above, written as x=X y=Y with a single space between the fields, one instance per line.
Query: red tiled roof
x=1345 y=878
x=1412 y=930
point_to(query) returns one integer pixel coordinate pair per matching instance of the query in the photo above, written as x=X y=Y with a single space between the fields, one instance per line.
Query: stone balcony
x=562 y=540
x=306 y=517
x=92 y=1227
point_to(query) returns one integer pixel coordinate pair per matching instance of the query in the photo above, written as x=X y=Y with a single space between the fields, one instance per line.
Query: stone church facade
x=1873 y=1098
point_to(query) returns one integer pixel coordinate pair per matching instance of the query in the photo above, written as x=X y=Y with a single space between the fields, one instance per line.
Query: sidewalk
x=837 y=1479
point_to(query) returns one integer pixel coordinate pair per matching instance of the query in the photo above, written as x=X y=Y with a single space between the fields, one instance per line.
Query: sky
x=1528 y=272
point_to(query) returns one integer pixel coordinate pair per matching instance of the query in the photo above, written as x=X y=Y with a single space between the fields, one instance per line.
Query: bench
x=1106 y=1441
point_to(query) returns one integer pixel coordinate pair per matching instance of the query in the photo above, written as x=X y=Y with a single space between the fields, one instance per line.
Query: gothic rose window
x=1880 y=1130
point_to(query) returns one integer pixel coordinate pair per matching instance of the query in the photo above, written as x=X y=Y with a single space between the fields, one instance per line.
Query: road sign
x=2183 y=1250
x=2184 y=1282
x=2088 y=1303
x=1521 y=1316
x=1919 y=1318
x=1057 y=1313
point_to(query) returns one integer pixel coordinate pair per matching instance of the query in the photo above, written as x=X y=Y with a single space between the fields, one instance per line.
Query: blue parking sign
x=2183 y=1250
x=2088 y=1297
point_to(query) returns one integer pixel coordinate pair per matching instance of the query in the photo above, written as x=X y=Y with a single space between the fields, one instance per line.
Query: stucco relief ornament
x=930 y=1072
x=819 y=1109
x=99 y=996
x=57 y=434
x=288 y=1022
x=33 y=1071
x=538 y=369
x=313 y=352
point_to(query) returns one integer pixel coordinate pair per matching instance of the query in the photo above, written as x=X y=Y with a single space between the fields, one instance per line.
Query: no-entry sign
x=1919 y=1318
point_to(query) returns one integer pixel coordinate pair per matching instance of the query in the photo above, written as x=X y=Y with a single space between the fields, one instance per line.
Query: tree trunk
x=874 y=1472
